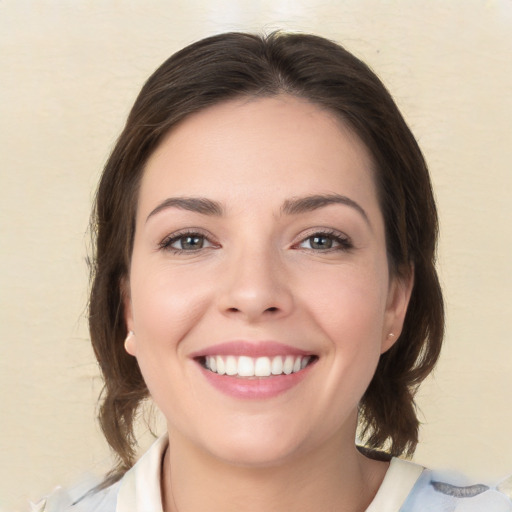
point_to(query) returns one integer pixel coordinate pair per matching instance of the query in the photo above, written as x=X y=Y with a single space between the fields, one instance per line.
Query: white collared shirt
x=407 y=487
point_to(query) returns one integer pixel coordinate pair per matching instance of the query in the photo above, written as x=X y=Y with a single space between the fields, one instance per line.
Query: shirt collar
x=398 y=482
x=140 y=487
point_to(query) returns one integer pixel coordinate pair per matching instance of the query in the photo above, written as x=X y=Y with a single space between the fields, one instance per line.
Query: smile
x=254 y=370
x=245 y=366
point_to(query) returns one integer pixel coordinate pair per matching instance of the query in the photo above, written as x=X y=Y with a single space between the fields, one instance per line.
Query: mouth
x=255 y=370
x=247 y=367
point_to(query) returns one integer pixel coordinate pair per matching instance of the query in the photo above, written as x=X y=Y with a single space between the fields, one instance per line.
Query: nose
x=255 y=286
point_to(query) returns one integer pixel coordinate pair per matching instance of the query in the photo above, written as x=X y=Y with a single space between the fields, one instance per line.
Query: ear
x=399 y=294
x=130 y=341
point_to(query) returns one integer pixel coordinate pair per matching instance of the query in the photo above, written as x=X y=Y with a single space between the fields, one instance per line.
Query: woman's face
x=259 y=291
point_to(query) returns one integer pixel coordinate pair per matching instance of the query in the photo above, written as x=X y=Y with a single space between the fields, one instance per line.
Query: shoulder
x=83 y=497
x=137 y=490
x=454 y=493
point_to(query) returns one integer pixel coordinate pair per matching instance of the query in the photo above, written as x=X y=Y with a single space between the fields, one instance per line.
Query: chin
x=255 y=444
x=255 y=453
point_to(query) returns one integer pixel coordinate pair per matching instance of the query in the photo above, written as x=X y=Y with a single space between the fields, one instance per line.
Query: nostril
x=272 y=309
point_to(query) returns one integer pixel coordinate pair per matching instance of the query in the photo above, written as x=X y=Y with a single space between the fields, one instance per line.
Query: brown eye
x=320 y=242
x=189 y=243
x=186 y=242
x=326 y=242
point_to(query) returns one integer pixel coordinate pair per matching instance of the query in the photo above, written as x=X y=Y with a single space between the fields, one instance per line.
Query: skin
x=259 y=276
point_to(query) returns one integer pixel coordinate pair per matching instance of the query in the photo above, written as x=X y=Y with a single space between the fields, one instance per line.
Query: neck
x=335 y=477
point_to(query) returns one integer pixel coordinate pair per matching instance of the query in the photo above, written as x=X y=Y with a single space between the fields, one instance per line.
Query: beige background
x=69 y=71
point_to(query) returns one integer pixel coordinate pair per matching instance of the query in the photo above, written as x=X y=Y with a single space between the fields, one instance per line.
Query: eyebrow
x=193 y=204
x=294 y=206
x=305 y=204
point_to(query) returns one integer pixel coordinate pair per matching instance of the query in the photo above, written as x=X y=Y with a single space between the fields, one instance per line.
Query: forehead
x=263 y=148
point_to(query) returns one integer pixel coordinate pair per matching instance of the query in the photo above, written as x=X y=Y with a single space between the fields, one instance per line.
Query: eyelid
x=168 y=240
x=343 y=239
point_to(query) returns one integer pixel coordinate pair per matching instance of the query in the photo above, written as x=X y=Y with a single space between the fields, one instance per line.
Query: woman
x=264 y=270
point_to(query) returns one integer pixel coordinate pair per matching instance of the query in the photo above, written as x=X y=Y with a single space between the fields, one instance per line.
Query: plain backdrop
x=69 y=72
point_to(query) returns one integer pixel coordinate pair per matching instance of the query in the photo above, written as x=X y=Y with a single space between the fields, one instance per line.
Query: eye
x=186 y=242
x=189 y=243
x=326 y=241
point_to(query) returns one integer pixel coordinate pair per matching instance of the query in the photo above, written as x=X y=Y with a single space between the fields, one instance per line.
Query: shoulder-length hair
x=232 y=65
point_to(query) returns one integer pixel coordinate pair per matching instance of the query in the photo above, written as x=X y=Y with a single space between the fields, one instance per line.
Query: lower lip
x=255 y=388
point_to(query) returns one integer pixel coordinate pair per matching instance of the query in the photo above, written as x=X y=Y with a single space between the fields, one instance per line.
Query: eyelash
x=166 y=243
x=344 y=242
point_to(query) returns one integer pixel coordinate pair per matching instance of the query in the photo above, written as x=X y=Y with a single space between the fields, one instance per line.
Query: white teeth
x=221 y=367
x=262 y=367
x=288 y=365
x=231 y=365
x=277 y=365
x=245 y=366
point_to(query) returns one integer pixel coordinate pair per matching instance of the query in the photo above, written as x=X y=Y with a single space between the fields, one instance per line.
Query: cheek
x=349 y=309
x=348 y=302
x=166 y=303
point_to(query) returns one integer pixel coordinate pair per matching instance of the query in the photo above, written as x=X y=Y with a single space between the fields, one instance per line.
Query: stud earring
x=391 y=335
x=129 y=335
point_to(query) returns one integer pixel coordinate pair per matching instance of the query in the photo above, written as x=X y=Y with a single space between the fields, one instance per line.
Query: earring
x=390 y=335
x=129 y=335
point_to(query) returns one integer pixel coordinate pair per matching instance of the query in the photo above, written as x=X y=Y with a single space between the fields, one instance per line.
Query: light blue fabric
x=433 y=492
x=78 y=499
x=438 y=492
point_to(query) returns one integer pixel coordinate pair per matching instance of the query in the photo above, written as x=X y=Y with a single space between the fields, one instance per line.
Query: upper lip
x=250 y=349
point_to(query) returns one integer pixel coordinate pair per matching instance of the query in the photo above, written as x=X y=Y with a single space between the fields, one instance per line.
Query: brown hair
x=236 y=64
